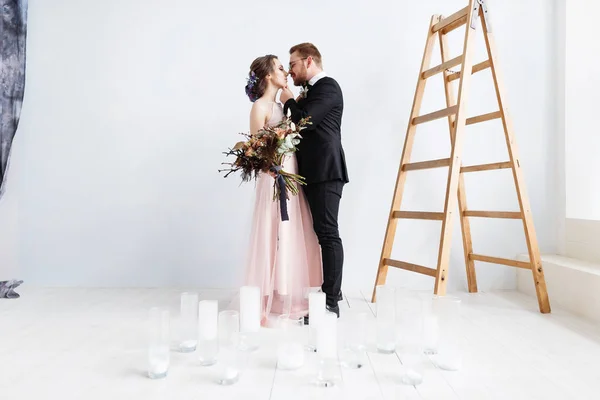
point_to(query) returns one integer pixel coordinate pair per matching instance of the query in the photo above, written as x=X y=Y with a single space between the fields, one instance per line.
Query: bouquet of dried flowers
x=263 y=152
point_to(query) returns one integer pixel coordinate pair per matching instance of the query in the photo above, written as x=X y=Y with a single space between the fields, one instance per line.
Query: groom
x=320 y=156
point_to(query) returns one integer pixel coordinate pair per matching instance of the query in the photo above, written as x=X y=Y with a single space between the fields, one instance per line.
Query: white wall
x=579 y=85
x=129 y=104
x=559 y=63
x=582 y=85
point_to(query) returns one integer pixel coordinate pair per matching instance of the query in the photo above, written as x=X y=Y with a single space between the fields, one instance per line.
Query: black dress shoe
x=335 y=310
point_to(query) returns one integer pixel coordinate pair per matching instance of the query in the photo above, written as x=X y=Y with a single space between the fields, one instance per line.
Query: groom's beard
x=299 y=79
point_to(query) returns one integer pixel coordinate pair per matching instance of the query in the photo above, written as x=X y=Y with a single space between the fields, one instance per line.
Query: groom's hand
x=286 y=94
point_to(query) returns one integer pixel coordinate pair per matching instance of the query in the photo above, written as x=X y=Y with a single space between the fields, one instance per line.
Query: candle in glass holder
x=354 y=339
x=229 y=328
x=386 y=319
x=208 y=341
x=409 y=348
x=327 y=349
x=158 y=343
x=249 y=317
x=290 y=353
x=189 y=322
x=430 y=325
x=447 y=310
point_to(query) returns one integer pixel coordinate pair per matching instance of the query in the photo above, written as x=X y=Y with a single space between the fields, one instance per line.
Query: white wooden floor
x=88 y=344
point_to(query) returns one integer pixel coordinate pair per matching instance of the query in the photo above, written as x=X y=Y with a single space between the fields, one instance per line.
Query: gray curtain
x=13 y=29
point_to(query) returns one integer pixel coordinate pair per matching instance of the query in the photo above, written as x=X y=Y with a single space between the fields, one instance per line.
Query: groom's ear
x=309 y=61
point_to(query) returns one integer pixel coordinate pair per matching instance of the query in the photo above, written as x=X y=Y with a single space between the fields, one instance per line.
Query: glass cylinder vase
x=290 y=350
x=188 y=321
x=410 y=347
x=386 y=319
x=353 y=350
x=430 y=325
x=327 y=350
x=158 y=343
x=447 y=310
x=208 y=341
x=229 y=340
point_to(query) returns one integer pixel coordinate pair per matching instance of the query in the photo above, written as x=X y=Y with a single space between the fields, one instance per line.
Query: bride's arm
x=258 y=117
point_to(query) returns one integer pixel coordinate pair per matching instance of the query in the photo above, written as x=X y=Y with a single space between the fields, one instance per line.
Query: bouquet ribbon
x=282 y=191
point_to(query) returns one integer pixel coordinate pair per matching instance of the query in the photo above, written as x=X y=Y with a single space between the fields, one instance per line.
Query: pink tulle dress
x=284 y=257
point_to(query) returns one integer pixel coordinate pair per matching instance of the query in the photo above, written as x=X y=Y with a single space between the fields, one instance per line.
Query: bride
x=284 y=257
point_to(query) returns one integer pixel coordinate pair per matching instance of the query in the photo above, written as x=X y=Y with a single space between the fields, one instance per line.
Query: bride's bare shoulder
x=260 y=106
x=259 y=115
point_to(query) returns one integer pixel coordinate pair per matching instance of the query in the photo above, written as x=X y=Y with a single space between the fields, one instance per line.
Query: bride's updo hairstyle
x=256 y=82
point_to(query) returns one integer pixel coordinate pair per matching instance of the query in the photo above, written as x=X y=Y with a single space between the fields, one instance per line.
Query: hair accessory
x=251 y=82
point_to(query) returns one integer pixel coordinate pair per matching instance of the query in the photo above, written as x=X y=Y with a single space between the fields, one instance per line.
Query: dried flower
x=264 y=152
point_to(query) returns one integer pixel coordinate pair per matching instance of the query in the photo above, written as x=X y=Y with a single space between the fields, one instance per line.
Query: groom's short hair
x=307 y=50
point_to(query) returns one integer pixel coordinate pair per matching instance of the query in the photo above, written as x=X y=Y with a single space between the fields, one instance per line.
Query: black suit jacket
x=320 y=153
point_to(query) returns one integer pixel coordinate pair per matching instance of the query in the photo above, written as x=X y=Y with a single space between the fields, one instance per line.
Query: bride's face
x=279 y=75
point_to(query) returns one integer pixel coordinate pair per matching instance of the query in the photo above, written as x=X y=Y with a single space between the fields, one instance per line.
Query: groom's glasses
x=292 y=63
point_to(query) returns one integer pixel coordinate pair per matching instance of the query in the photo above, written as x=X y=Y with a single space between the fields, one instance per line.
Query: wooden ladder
x=455 y=111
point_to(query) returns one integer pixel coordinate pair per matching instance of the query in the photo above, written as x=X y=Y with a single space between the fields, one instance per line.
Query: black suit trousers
x=324 y=202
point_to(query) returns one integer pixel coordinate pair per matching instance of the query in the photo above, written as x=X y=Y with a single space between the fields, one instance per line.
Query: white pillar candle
x=208 y=317
x=316 y=308
x=327 y=336
x=249 y=309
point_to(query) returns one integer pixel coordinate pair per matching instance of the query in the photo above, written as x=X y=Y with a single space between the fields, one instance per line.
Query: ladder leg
x=455 y=159
x=530 y=235
x=462 y=197
x=406 y=152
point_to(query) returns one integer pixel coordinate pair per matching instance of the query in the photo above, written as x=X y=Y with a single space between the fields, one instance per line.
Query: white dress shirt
x=315 y=78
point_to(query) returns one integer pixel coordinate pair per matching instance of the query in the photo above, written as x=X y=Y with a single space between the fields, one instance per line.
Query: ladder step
x=435 y=115
x=452 y=22
x=482 y=118
x=410 y=267
x=442 y=67
x=502 y=261
x=493 y=214
x=486 y=167
x=443 y=162
x=434 y=216
x=476 y=68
